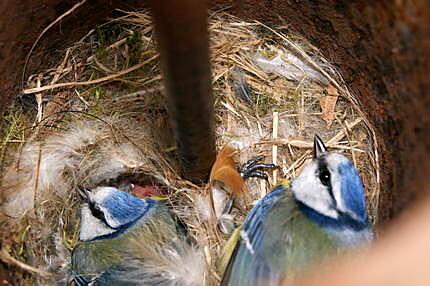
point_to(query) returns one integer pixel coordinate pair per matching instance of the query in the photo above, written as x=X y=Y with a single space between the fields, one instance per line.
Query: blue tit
x=321 y=212
x=125 y=240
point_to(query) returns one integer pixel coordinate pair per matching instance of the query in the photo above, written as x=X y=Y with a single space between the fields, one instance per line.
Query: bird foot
x=254 y=168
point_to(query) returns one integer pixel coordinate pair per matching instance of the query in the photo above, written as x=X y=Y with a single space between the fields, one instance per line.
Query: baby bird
x=125 y=240
x=322 y=212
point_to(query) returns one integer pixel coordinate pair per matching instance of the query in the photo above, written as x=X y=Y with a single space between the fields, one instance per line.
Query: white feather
x=87 y=153
x=290 y=66
x=203 y=207
x=203 y=204
x=176 y=263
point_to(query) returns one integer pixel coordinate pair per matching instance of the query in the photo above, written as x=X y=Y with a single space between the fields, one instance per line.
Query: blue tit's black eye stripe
x=97 y=212
x=324 y=176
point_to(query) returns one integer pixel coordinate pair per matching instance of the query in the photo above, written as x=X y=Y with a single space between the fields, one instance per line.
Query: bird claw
x=253 y=168
x=226 y=224
x=226 y=221
x=228 y=206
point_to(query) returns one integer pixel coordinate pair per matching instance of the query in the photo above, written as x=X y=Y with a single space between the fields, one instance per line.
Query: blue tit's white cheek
x=308 y=189
x=101 y=194
x=92 y=227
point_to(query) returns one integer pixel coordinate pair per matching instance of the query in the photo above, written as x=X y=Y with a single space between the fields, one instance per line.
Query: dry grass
x=110 y=80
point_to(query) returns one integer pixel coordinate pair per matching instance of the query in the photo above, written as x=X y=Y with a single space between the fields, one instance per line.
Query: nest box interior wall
x=381 y=47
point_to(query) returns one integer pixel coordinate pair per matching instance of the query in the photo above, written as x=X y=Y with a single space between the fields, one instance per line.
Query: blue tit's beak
x=84 y=193
x=319 y=147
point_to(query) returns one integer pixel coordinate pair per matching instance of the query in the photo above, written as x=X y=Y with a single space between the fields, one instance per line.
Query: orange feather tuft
x=224 y=170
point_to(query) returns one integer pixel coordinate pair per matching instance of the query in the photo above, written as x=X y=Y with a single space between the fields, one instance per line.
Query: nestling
x=125 y=240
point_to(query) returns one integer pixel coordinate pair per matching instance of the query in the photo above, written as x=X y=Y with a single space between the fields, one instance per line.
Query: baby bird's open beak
x=84 y=193
x=319 y=147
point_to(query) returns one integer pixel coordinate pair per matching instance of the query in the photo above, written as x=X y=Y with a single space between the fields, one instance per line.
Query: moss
x=101 y=44
x=269 y=54
x=99 y=93
x=265 y=104
x=96 y=97
x=292 y=99
x=134 y=43
x=13 y=132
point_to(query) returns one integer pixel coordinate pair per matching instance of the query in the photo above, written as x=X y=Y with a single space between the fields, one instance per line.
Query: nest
x=98 y=115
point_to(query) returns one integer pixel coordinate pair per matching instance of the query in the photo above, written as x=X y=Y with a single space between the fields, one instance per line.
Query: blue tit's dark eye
x=324 y=176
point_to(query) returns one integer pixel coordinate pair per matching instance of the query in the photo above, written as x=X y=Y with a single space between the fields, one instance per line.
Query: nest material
x=100 y=114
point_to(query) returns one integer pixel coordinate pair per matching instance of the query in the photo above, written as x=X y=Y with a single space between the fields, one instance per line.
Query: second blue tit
x=322 y=212
x=125 y=240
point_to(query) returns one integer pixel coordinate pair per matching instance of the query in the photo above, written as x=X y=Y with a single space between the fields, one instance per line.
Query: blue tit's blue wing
x=120 y=275
x=248 y=265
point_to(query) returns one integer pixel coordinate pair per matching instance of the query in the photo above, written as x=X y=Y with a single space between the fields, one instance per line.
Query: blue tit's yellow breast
x=293 y=241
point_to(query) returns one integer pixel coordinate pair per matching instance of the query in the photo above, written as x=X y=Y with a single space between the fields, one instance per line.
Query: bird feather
x=152 y=252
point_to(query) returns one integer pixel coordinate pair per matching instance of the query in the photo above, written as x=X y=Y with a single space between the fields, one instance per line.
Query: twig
x=231 y=108
x=307 y=144
x=8 y=259
x=305 y=56
x=67 y=13
x=350 y=144
x=274 y=146
x=39 y=115
x=142 y=92
x=61 y=68
x=81 y=98
x=102 y=66
x=342 y=133
x=113 y=46
x=36 y=181
x=333 y=140
x=95 y=81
